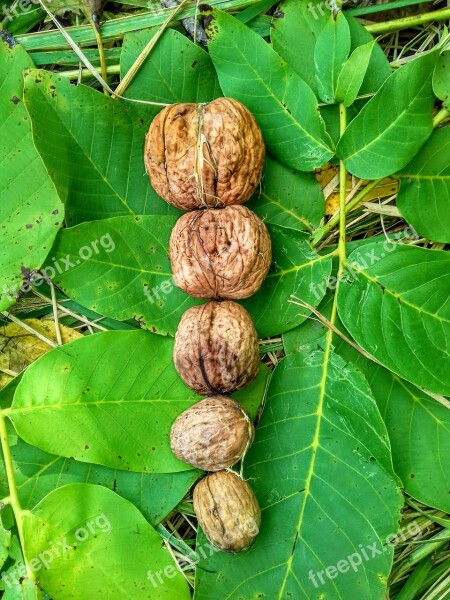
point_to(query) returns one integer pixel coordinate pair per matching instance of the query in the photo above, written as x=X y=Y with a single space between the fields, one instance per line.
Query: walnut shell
x=213 y=434
x=201 y=155
x=216 y=348
x=223 y=253
x=227 y=511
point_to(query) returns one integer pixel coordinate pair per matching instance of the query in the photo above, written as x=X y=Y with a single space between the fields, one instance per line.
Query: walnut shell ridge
x=223 y=253
x=208 y=154
x=213 y=434
x=216 y=348
x=227 y=511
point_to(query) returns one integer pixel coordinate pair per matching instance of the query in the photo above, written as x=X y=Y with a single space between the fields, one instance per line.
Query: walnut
x=223 y=253
x=201 y=155
x=213 y=434
x=227 y=511
x=216 y=348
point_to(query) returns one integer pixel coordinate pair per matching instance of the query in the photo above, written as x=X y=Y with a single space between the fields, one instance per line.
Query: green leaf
x=102 y=138
x=414 y=421
x=37 y=473
x=424 y=195
x=321 y=469
x=31 y=211
x=393 y=125
x=164 y=76
x=289 y=198
x=352 y=74
x=295 y=28
x=379 y=68
x=282 y=103
x=441 y=78
x=128 y=277
x=395 y=305
x=297 y=271
x=86 y=540
x=108 y=398
x=330 y=54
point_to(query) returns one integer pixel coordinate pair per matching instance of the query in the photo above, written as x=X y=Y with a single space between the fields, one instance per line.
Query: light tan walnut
x=209 y=154
x=216 y=348
x=223 y=253
x=213 y=434
x=227 y=511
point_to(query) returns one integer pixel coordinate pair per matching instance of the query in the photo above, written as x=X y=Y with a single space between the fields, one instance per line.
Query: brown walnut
x=201 y=155
x=213 y=434
x=216 y=348
x=227 y=511
x=223 y=253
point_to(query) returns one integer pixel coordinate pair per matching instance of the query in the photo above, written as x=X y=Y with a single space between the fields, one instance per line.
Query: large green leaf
x=321 y=469
x=424 y=195
x=129 y=279
x=30 y=209
x=295 y=28
x=177 y=70
x=134 y=279
x=395 y=305
x=108 y=398
x=93 y=149
x=289 y=198
x=393 y=125
x=414 y=421
x=297 y=271
x=282 y=103
x=330 y=54
x=37 y=473
x=87 y=542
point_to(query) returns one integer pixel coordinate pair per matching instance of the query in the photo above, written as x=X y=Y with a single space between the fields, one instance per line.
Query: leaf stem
x=443 y=114
x=342 y=252
x=397 y=24
x=342 y=195
x=13 y=498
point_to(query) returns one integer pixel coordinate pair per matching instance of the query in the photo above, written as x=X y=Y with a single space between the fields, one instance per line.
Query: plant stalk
x=342 y=195
x=397 y=24
x=443 y=114
x=14 y=501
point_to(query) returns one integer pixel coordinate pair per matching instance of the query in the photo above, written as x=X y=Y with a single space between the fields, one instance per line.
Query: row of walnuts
x=208 y=159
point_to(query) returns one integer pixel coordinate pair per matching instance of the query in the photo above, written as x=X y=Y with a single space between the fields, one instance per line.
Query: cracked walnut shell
x=224 y=253
x=216 y=348
x=209 y=154
x=227 y=511
x=213 y=434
